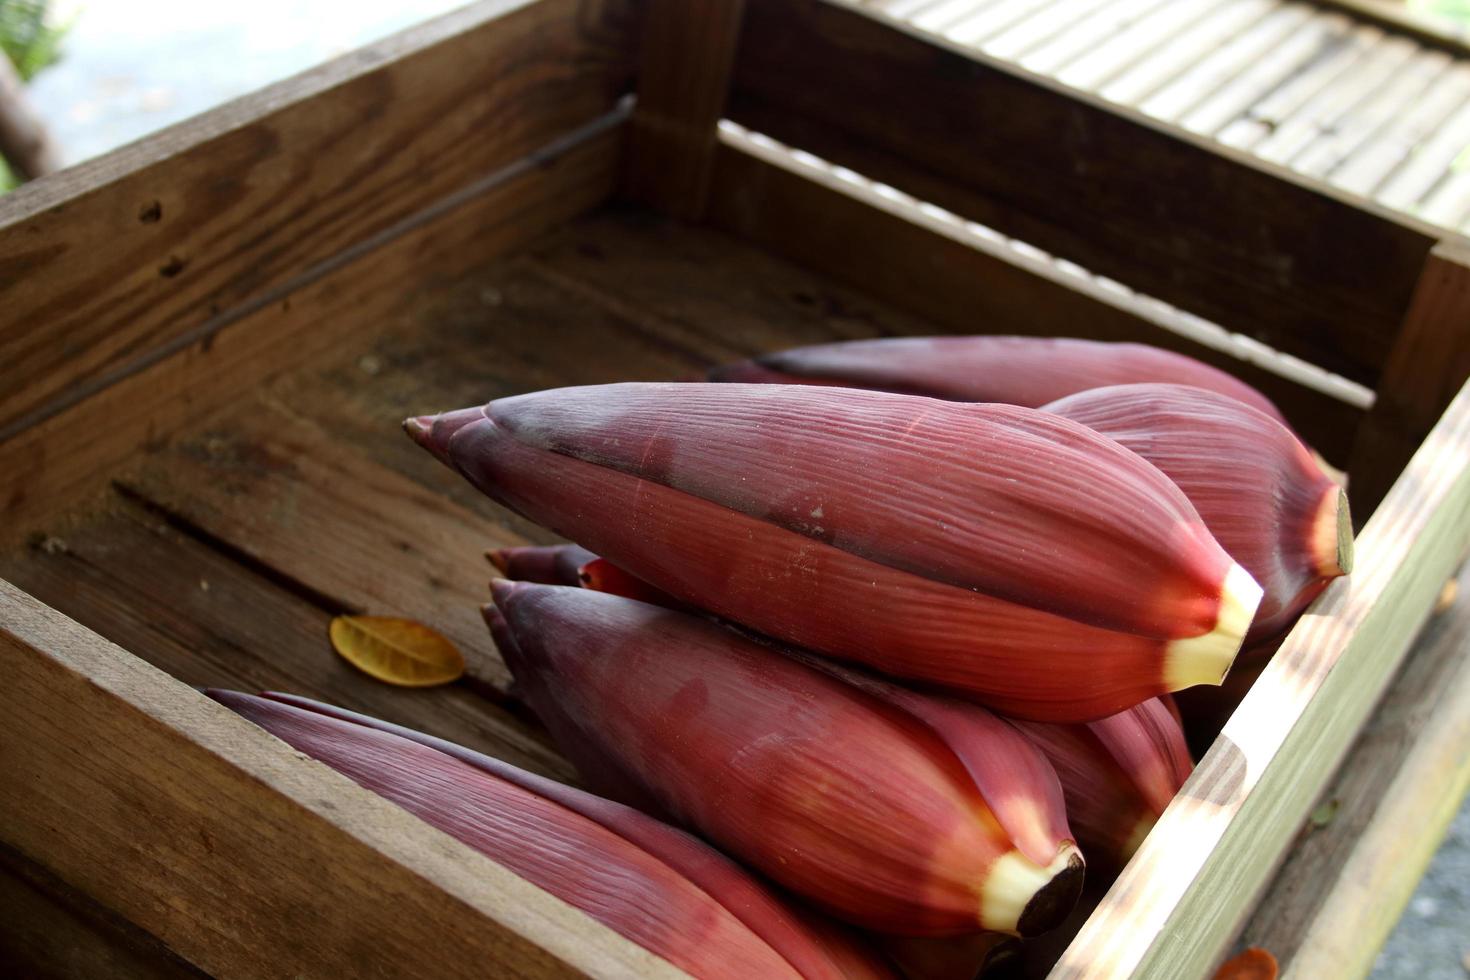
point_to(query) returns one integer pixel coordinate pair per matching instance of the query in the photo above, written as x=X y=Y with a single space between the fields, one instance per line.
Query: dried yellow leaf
x=397 y=651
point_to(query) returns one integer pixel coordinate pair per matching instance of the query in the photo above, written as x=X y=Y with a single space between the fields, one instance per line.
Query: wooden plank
x=1041 y=27
x=49 y=468
x=51 y=931
x=1254 y=59
x=961 y=282
x=1266 y=72
x=283 y=492
x=1194 y=881
x=1101 y=186
x=687 y=53
x=237 y=851
x=1429 y=363
x=146 y=248
x=1345 y=883
x=191 y=609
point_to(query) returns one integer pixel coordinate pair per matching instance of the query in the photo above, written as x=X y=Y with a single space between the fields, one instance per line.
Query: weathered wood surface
x=146 y=248
x=1334 y=902
x=1168 y=213
x=282 y=492
x=50 y=467
x=55 y=932
x=183 y=602
x=287 y=862
x=683 y=79
x=1429 y=363
x=1197 y=876
x=964 y=283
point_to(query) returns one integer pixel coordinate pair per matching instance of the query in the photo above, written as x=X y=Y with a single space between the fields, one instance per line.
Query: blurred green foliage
x=26 y=37
x=31 y=43
x=1458 y=9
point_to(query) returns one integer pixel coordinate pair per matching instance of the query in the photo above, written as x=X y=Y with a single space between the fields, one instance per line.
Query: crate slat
x=1193 y=883
x=1171 y=215
x=287 y=861
x=146 y=247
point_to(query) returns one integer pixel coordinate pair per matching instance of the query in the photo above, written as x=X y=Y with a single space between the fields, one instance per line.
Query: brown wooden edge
x=688 y=50
x=51 y=467
x=1251 y=246
x=1191 y=885
x=240 y=853
x=1429 y=362
x=126 y=258
x=936 y=268
x=1356 y=862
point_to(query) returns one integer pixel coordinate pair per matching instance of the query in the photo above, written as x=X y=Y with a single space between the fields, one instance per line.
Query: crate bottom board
x=256 y=525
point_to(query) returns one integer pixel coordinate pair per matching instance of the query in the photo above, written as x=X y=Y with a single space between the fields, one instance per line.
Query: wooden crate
x=207 y=340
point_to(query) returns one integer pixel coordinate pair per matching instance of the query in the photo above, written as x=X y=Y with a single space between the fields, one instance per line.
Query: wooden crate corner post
x=1429 y=362
x=687 y=56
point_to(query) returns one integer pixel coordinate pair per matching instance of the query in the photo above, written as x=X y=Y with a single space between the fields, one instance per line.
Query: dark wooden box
x=207 y=340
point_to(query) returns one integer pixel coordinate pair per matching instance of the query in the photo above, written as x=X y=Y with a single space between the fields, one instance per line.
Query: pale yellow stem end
x=1022 y=898
x=1206 y=659
x=1332 y=535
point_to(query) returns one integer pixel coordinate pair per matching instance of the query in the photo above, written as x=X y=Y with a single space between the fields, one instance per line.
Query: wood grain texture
x=280 y=490
x=1343 y=886
x=188 y=606
x=967 y=285
x=683 y=80
x=1194 y=881
x=52 y=931
x=110 y=261
x=1165 y=212
x=1429 y=362
x=292 y=867
x=49 y=468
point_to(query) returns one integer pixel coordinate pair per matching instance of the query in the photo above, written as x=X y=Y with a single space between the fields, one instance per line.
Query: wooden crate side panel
x=48 y=468
x=1429 y=362
x=935 y=270
x=1191 y=885
x=684 y=75
x=240 y=853
x=1334 y=902
x=1252 y=247
x=55 y=932
x=159 y=243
